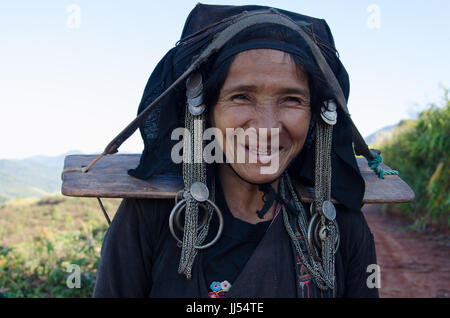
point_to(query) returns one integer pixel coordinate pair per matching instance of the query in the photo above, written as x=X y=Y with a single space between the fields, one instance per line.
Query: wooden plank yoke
x=109 y=178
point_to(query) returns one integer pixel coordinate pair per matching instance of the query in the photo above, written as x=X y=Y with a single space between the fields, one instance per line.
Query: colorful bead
x=225 y=286
x=213 y=295
x=219 y=289
x=215 y=286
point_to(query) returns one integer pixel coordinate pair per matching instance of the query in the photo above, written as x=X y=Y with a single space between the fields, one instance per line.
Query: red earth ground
x=412 y=263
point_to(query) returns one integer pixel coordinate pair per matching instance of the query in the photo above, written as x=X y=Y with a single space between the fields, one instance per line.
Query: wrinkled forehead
x=267 y=69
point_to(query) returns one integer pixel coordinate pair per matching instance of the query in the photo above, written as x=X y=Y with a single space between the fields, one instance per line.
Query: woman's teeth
x=262 y=156
x=259 y=152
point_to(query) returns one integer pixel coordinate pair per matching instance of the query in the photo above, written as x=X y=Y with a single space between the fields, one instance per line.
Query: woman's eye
x=292 y=99
x=240 y=97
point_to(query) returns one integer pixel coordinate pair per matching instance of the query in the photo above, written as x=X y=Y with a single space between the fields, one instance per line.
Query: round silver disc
x=329 y=117
x=196 y=101
x=328 y=210
x=329 y=113
x=194 y=81
x=197 y=110
x=199 y=191
x=191 y=94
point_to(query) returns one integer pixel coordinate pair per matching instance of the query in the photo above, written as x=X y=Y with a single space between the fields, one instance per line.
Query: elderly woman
x=240 y=229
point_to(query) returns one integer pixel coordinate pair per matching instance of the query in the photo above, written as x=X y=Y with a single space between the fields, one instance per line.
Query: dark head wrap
x=201 y=26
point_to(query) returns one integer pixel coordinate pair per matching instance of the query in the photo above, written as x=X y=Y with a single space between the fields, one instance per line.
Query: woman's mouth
x=262 y=155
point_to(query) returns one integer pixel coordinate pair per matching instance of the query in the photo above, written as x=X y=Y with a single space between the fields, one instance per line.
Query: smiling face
x=263 y=91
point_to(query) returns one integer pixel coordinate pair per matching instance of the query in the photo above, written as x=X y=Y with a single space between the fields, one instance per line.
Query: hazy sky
x=72 y=73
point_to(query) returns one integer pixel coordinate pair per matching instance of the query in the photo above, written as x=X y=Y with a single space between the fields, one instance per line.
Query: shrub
x=420 y=151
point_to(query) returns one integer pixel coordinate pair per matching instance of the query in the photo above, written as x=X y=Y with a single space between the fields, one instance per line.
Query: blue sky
x=64 y=87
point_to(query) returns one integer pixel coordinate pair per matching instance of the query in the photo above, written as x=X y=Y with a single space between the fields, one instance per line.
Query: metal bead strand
x=194 y=169
x=315 y=268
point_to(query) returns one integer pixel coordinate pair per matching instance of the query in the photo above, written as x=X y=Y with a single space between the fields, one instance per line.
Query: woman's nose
x=267 y=117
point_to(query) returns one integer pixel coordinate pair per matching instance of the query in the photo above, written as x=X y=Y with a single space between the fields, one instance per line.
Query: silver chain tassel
x=194 y=170
x=322 y=232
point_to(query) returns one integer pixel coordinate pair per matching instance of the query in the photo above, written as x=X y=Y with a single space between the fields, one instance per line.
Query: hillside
x=40 y=238
x=31 y=177
x=385 y=134
x=379 y=135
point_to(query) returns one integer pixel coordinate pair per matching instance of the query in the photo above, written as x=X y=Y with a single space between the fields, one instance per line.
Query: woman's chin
x=256 y=173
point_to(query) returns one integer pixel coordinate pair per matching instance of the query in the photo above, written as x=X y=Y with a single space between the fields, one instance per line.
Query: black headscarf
x=202 y=24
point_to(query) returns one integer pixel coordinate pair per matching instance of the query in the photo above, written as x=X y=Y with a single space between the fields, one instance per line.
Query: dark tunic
x=140 y=258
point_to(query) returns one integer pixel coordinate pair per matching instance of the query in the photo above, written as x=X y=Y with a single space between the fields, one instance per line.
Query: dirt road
x=412 y=264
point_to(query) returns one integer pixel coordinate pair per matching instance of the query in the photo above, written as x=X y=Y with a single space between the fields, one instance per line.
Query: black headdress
x=201 y=27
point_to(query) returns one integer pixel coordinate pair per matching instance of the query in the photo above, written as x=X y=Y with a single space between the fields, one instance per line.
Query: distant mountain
x=385 y=134
x=380 y=135
x=31 y=177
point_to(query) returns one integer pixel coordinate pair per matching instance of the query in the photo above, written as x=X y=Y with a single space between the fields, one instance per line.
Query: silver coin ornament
x=196 y=106
x=194 y=89
x=199 y=191
x=329 y=113
x=194 y=93
x=196 y=101
x=194 y=82
x=197 y=110
x=328 y=210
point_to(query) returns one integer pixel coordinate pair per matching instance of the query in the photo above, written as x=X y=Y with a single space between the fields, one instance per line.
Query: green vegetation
x=40 y=238
x=420 y=150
